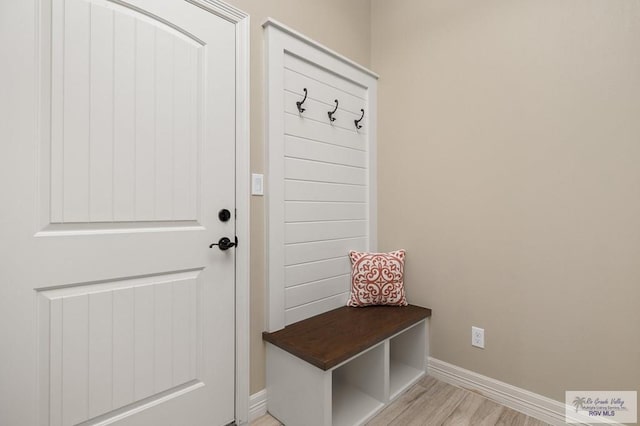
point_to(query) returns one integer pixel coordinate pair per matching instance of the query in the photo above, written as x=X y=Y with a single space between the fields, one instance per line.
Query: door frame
x=241 y=22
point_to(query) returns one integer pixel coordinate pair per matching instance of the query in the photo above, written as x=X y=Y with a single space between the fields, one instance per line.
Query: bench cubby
x=406 y=364
x=343 y=366
x=357 y=387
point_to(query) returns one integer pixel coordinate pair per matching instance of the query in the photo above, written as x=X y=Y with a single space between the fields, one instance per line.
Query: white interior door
x=113 y=307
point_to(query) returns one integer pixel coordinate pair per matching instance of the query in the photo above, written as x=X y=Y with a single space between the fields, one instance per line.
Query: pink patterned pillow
x=377 y=279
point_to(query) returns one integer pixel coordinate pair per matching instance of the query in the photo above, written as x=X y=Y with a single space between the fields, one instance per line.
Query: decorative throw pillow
x=377 y=279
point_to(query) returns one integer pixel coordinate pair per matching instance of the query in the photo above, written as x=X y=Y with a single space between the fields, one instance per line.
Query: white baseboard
x=257 y=405
x=524 y=401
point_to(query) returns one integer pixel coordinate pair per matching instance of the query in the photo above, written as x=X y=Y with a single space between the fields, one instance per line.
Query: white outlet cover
x=477 y=337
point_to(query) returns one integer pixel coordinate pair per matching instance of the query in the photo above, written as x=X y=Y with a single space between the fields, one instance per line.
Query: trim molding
x=243 y=207
x=257 y=405
x=534 y=405
x=222 y=9
x=270 y=22
x=281 y=41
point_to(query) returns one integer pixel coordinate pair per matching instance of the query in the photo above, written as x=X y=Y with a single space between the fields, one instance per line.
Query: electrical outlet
x=477 y=337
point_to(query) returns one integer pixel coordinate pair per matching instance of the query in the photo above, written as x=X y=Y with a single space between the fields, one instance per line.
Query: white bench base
x=350 y=393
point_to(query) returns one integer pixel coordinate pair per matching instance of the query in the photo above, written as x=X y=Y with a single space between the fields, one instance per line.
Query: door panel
x=127 y=109
x=118 y=342
x=117 y=299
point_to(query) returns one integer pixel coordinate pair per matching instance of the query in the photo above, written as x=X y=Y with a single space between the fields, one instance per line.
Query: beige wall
x=343 y=26
x=509 y=142
x=509 y=139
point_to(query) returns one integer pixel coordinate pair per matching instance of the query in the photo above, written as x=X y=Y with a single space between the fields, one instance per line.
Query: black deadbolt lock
x=224 y=215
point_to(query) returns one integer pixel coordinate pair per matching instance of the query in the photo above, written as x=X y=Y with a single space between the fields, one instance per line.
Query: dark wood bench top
x=330 y=338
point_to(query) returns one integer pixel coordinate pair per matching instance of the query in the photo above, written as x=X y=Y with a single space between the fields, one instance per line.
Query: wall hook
x=299 y=103
x=357 y=122
x=330 y=113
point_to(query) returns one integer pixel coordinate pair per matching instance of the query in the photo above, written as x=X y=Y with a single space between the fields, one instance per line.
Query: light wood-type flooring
x=432 y=402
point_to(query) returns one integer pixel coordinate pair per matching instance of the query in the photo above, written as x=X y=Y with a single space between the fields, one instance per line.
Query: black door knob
x=225 y=243
x=224 y=215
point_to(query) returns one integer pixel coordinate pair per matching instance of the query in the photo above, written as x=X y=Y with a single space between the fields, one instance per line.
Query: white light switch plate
x=257 y=184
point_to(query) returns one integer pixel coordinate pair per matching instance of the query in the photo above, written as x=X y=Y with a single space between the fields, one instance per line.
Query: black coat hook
x=299 y=103
x=357 y=122
x=330 y=113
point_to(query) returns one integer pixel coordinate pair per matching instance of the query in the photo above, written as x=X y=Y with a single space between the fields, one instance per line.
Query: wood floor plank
x=265 y=420
x=427 y=382
x=511 y=417
x=534 y=422
x=475 y=410
x=399 y=406
x=432 y=407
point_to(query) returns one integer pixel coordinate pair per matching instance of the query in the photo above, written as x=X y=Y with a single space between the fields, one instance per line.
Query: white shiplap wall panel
x=295 y=147
x=295 y=125
x=318 y=111
x=304 y=211
x=328 y=77
x=317 y=171
x=314 y=271
x=318 y=191
x=321 y=231
x=317 y=307
x=321 y=176
x=321 y=250
x=317 y=290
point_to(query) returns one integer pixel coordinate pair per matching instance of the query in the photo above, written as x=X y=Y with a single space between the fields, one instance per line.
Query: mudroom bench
x=343 y=366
